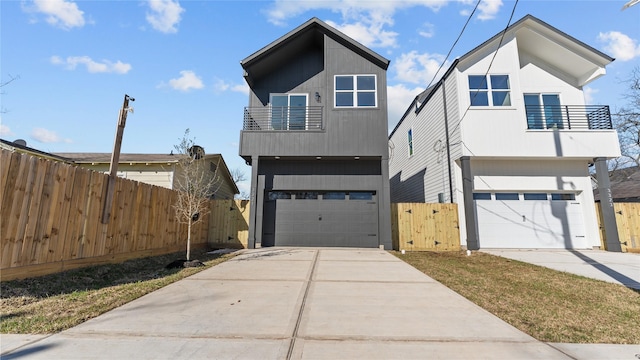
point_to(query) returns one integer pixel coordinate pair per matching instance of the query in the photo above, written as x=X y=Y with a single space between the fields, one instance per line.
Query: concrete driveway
x=288 y=303
x=620 y=268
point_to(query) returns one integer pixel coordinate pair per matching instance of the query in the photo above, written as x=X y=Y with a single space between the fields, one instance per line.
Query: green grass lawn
x=549 y=305
x=53 y=303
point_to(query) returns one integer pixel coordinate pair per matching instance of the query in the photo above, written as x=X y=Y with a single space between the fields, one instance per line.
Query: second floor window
x=355 y=91
x=410 y=140
x=490 y=90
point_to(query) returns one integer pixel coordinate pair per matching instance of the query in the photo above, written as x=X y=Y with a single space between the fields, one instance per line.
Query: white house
x=507 y=135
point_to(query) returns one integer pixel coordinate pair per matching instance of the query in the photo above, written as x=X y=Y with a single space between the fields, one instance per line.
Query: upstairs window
x=491 y=90
x=543 y=111
x=410 y=141
x=355 y=91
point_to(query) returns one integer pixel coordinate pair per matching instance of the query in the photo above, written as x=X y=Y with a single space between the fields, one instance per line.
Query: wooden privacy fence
x=420 y=226
x=229 y=224
x=628 y=223
x=50 y=216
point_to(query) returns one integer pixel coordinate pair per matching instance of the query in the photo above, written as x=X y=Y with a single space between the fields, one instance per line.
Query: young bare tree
x=196 y=181
x=627 y=122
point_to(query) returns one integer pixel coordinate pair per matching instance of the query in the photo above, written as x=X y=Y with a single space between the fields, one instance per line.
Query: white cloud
x=164 y=15
x=619 y=45
x=47 y=136
x=488 y=9
x=418 y=68
x=188 y=80
x=92 y=66
x=399 y=97
x=589 y=94
x=369 y=32
x=364 y=21
x=221 y=86
x=427 y=30
x=5 y=130
x=59 y=13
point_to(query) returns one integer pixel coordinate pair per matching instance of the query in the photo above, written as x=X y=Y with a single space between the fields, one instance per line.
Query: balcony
x=283 y=118
x=573 y=117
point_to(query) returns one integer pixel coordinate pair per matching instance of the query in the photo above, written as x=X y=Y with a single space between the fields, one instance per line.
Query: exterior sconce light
x=317 y=97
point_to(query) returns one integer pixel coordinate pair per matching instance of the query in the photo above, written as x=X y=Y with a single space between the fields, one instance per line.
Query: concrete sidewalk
x=289 y=303
x=619 y=268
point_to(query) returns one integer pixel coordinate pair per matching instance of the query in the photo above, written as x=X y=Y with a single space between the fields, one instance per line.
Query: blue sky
x=73 y=61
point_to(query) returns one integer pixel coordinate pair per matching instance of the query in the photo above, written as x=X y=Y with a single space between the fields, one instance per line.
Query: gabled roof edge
x=540 y=22
x=315 y=22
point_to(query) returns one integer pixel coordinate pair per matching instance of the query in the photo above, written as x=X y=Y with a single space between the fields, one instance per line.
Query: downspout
x=446 y=129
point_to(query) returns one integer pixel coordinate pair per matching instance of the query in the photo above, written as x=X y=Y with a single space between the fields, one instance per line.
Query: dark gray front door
x=334 y=219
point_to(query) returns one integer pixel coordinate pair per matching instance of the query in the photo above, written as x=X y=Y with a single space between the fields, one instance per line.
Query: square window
x=477 y=82
x=344 y=82
x=366 y=82
x=500 y=82
x=481 y=196
x=479 y=98
x=355 y=91
x=566 y=196
x=507 y=196
x=361 y=195
x=334 y=196
x=535 y=196
x=366 y=99
x=344 y=99
x=489 y=93
x=501 y=98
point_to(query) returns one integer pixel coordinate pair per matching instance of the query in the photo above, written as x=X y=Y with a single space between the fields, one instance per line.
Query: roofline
x=426 y=99
x=224 y=164
x=11 y=146
x=542 y=23
x=315 y=22
x=486 y=43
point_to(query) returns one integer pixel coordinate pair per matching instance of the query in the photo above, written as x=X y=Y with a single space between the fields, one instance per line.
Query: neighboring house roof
x=12 y=146
x=304 y=36
x=563 y=52
x=128 y=158
x=88 y=158
x=625 y=185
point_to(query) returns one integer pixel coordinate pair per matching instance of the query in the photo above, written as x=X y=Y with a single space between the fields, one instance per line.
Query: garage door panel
x=318 y=222
x=530 y=224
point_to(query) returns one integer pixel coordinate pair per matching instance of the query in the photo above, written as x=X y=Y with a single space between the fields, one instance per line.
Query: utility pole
x=115 y=158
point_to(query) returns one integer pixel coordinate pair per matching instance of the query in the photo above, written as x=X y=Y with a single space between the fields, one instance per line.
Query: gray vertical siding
x=348 y=132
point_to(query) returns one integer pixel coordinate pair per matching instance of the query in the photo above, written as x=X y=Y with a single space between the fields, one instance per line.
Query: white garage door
x=530 y=220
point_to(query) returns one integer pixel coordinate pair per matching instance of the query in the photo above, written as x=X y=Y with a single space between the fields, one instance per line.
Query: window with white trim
x=353 y=91
x=490 y=90
x=410 y=141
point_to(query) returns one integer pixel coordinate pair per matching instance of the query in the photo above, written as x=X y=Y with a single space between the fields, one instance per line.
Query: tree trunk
x=189 y=242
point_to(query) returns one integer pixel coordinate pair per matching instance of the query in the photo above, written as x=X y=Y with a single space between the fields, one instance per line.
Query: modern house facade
x=506 y=133
x=315 y=135
x=158 y=169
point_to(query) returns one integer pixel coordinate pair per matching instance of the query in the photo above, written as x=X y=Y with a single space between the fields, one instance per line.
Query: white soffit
x=559 y=53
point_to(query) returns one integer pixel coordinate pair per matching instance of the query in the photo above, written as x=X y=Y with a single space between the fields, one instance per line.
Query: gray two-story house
x=315 y=135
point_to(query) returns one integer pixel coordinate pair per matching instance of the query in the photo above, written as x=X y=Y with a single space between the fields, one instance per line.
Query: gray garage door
x=332 y=219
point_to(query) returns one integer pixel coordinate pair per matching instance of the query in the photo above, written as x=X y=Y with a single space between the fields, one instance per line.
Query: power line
x=454 y=43
x=504 y=32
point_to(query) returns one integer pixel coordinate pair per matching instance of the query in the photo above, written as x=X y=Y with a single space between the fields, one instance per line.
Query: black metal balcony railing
x=579 y=117
x=283 y=118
